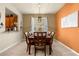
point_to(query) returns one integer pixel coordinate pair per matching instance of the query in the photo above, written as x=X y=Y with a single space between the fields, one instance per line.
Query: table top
x=32 y=36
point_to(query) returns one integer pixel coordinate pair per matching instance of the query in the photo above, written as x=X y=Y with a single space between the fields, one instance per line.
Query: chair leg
x=29 y=50
x=35 y=52
x=45 y=50
x=49 y=49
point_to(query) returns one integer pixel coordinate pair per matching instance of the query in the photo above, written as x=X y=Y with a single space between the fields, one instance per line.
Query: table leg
x=29 y=50
x=49 y=49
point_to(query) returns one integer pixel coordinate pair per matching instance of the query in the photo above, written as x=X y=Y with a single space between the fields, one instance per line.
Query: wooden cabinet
x=7 y=23
x=10 y=22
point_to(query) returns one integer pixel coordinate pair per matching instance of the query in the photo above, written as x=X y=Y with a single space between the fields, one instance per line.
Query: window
x=70 y=20
x=41 y=25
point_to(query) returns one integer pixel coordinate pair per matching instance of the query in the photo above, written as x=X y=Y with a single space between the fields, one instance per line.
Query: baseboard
x=68 y=47
x=9 y=47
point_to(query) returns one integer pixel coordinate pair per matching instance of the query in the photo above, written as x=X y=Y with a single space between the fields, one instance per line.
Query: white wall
x=9 y=39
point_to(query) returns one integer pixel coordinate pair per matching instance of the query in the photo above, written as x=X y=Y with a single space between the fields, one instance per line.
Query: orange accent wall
x=68 y=36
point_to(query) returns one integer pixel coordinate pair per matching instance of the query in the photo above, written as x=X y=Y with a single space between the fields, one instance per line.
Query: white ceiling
x=9 y=12
x=33 y=8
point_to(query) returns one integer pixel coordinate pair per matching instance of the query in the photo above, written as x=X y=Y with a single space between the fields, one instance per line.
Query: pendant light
x=39 y=17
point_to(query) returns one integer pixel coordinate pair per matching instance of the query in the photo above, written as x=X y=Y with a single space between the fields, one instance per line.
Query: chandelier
x=39 y=17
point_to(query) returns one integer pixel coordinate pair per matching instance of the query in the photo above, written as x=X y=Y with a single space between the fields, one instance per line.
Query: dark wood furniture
x=10 y=22
x=40 y=41
x=27 y=41
x=31 y=42
x=49 y=40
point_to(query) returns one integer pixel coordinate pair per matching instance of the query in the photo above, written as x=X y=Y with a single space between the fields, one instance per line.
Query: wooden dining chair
x=27 y=41
x=39 y=42
x=51 y=42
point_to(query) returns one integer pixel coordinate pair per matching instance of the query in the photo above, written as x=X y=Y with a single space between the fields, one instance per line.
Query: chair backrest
x=26 y=36
x=39 y=38
x=49 y=33
x=52 y=35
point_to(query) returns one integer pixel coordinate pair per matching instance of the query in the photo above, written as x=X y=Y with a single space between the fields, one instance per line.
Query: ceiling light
x=39 y=17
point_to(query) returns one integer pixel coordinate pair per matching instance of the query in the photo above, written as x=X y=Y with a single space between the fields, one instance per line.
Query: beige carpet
x=20 y=50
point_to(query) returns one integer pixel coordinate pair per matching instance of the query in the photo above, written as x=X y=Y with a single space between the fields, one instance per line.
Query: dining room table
x=49 y=41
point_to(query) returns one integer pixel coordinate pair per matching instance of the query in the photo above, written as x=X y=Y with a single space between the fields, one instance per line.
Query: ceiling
x=33 y=8
x=9 y=12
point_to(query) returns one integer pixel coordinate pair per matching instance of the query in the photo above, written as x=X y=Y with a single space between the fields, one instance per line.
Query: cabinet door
x=11 y=21
x=7 y=23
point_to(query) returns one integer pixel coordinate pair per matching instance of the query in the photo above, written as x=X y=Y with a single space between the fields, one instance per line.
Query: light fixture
x=39 y=17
